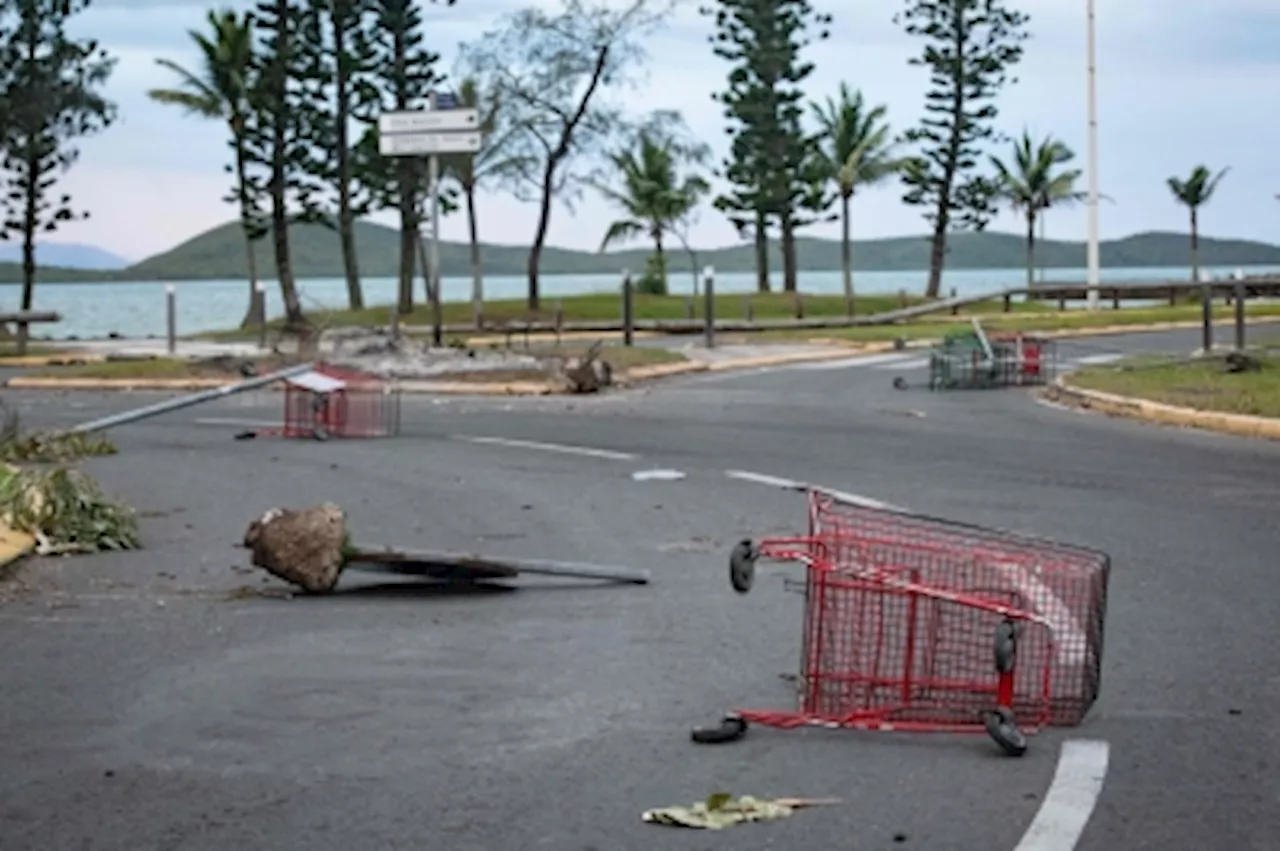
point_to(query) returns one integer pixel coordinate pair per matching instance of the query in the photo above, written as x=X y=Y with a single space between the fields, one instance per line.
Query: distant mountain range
x=66 y=255
x=218 y=254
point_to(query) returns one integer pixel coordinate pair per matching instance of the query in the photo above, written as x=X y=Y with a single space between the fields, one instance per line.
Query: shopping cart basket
x=330 y=401
x=972 y=359
x=918 y=624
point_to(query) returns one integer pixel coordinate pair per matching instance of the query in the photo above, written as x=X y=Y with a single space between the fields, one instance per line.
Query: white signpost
x=442 y=128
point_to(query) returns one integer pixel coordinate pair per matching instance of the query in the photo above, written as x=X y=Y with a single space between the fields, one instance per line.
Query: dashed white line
x=1077 y=783
x=563 y=449
x=792 y=484
x=657 y=475
x=914 y=363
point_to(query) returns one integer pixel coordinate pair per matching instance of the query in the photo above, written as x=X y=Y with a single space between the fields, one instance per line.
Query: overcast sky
x=1178 y=84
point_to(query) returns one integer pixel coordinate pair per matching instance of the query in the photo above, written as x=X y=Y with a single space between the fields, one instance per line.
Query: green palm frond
x=1198 y=188
x=855 y=146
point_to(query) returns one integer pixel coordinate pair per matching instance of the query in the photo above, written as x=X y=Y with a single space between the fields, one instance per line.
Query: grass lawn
x=608 y=306
x=1201 y=384
x=621 y=358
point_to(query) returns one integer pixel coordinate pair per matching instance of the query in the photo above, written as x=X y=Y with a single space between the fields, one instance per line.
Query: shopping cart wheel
x=320 y=433
x=1002 y=727
x=730 y=729
x=899 y=383
x=1006 y=645
x=742 y=566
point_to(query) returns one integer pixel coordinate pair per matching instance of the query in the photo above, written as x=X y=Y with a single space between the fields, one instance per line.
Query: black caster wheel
x=1006 y=645
x=742 y=566
x=246 y=435
x=899 y=383
x=1004 y=730
x=730 y=729
x=320 y=433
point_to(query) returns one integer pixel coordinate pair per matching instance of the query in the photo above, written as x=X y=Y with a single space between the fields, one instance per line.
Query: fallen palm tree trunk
x=310 y=547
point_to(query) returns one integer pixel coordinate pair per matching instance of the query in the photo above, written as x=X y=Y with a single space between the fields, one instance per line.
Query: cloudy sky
x=1175 y=90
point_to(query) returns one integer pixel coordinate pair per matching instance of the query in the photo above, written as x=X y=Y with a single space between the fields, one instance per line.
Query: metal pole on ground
x=1206 y=314
x=709 y=291
x=628 y=310
x=187 y=401
x=171 y=317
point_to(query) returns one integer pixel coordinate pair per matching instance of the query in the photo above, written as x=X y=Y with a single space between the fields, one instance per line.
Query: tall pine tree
x=771 y=166
x=50 y=97
x=969 y=47
x=280 y=135
x=405 y=76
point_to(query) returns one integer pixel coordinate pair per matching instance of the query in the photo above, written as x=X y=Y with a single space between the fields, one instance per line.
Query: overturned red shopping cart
x=329 y=401
x=918 y=624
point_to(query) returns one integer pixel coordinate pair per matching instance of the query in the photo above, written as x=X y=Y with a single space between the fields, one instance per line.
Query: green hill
x=219 y=254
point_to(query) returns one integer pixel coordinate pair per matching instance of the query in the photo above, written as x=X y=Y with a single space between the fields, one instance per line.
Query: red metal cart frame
x=918 y=624
x=330 y=401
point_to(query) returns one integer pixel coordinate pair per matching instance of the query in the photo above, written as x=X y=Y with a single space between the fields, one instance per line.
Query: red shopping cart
x=331 y=401
x=918 y=624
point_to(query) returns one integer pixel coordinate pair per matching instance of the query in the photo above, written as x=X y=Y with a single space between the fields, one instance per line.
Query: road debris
x=722 y=810
x=311 y=548
x=65 y=510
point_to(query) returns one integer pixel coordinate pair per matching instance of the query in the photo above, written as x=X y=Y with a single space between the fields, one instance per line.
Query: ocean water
x=136 y=310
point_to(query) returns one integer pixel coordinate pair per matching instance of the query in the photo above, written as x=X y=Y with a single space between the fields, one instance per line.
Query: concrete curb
x=1241 y=425
x=456 y=388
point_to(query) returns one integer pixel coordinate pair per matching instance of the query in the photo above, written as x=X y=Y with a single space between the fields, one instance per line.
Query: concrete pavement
x=146 y=710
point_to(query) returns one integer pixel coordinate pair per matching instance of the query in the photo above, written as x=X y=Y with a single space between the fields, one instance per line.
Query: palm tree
x=854 y=150
x=653 y=198
x=1033 y=184
x=221 y=91
x=1195 y=192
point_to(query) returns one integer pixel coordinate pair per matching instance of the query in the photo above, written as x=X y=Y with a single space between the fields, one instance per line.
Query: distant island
x=218 y=254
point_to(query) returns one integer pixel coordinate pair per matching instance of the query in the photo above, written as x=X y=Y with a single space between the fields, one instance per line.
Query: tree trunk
x=406 y=191
x=789 y=280
x=1031 y=248
x=32 y=191
x=846 y=254
x=477 y=272
x=937 y=254
x=257 y=311
x=540 y=235
x=762 y=253
x=342 y=109
x=279 y=145
x=1195 y=247
x=660 y=258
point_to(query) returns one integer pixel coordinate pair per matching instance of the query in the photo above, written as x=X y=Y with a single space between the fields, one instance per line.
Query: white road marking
x=792 y=484
x=548 y=447
x=914 y=363
x=1077 y=783
x=1071 y=642
x=657 y=475
x=232 y=421
x=847 y=363
x=1109 y=357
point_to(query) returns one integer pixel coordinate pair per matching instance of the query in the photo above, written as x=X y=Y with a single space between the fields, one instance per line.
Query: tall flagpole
x=1093 y=259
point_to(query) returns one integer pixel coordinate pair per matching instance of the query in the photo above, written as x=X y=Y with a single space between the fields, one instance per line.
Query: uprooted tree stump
x=587 y=374
x=306 y=546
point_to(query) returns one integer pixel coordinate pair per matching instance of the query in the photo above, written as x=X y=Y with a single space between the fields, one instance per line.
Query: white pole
x=1094 y=263
x=433 y=184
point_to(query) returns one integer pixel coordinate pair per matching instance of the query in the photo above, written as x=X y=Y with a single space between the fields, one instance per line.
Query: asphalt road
x=149 y=707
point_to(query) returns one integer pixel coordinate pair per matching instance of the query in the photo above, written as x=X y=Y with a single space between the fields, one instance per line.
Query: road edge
x=1134 y=407
x=635 y=376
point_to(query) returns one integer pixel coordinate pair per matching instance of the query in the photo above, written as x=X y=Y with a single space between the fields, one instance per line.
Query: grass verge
x=1202 y=384
x=603 y=307
x=621 y=358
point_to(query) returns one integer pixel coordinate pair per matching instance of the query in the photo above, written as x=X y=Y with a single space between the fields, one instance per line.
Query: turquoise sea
x=136 y=310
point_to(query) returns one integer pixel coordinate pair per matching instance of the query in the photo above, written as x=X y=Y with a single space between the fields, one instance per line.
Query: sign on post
x=441 y=129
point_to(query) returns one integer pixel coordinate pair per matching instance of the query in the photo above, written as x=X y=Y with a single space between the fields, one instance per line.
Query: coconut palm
x=1032 y=184
x=653 y=198
x=220 y=90
x=1195 y=192
x=854 y=150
